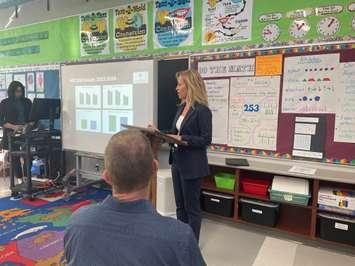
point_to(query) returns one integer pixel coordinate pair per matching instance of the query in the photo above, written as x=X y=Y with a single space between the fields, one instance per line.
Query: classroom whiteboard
x=98 y=98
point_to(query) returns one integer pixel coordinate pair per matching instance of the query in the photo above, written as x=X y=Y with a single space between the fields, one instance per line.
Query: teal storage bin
x=281 y=196
x=225 y=181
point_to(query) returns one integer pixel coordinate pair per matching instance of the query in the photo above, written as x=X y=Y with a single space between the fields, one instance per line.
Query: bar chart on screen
x=118 y=96
x=88 y=120
x=113 y=119
x=88 y=97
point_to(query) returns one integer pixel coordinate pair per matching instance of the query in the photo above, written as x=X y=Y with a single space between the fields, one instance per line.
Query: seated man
x=125 y=229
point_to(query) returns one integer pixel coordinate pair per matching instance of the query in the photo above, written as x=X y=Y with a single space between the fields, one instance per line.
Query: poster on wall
x=173 y=23
x=130 y=24
x=20 y=78
x=8 y=78
x=309 y=83
x=94 y=34
x=39 y=82
x=345 y=113
x=253 y=112
x=218 y=92
x=30 y=82
x=226 y=21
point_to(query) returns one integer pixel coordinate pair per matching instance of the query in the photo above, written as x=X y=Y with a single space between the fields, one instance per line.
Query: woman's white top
x=179 y=122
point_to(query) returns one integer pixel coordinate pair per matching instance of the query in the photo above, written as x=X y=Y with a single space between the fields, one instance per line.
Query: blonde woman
x=192 y=124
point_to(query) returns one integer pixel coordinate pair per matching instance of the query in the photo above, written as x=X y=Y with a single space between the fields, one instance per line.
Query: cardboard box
x=335 y=197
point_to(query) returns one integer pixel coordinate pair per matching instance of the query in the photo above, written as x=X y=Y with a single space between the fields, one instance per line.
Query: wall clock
x=299 y=28
x=328 y=26
x=270 y=33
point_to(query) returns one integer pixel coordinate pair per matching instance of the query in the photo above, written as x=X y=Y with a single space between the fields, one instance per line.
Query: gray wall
x=36 y=11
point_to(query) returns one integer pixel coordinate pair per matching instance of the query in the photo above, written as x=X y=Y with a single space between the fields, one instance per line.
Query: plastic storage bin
x=217 y=203
x=337 y=228
x=255 y=186
x=291 y=190
x=259 y=212
x=225 y=181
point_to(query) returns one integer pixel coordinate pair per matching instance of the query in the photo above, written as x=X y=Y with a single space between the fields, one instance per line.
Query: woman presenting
x=193 y=125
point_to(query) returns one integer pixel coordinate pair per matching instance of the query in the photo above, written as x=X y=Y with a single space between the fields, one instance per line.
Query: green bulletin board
x=59 y=40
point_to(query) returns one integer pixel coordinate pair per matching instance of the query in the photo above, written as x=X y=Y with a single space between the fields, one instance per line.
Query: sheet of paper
x=227 y=68
x=21 y=78
x=302 y=170
x=268 y=65
x=253 y=112
x=345 y=113
x=2 y=81
x=39 y=82
x=301 y=128
x=310 y=83
x=31 y=82
x=9 y=79
x=304 y=119
x=307 y=154
x=217 y=92
x=302 y=142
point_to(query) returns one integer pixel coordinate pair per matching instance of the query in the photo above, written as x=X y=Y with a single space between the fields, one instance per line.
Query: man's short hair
x=129 y=161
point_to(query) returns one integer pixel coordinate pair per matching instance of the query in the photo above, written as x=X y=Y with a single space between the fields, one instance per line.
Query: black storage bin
x=337 y=228
x=259 y=212
x=216 y=203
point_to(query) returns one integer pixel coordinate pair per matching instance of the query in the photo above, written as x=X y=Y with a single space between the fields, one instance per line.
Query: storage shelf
x=293 y=219
x=209 y=184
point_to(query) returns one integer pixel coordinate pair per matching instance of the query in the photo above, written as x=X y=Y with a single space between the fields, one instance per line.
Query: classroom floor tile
x=224 y=244
x=310 y=256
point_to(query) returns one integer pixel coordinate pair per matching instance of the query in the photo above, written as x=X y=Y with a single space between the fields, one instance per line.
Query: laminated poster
x=130 y=24
x=173 y=23
x=94 y=34
x=345 y=112
x=310 y=84
x=225 y=21
x=253 y=112
x=30 y=82
x=39 y=82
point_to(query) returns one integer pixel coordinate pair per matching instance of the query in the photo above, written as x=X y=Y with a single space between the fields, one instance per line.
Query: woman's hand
x=153 y=128
x=177 y=137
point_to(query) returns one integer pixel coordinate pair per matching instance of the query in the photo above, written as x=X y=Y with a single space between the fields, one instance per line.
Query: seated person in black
x=14 y=114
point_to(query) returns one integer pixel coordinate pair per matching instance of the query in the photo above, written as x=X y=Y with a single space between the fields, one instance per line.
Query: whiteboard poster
x=345 y=112
x=253 y=112
x=227 y=68
x=309 y=84
x=217 y=92
x=226 y=21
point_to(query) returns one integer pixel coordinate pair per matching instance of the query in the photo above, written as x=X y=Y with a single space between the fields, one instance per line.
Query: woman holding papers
x=192 y=125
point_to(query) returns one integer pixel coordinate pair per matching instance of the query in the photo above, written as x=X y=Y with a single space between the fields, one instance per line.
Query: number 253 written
x=251 y=108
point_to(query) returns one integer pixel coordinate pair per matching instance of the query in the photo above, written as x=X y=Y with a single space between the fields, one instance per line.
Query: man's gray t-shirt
x=128 y=233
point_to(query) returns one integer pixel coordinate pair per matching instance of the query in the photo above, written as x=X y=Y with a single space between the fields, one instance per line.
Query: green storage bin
x=225 y=181
x=281 y=196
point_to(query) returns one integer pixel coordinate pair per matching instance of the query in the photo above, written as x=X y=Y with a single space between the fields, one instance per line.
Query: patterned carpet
x=31 y=233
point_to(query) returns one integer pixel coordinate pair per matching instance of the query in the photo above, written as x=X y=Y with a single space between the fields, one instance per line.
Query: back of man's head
x=129 y=161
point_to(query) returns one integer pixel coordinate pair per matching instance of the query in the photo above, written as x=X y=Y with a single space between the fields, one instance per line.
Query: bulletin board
x=291 y=103
x=39 y=81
